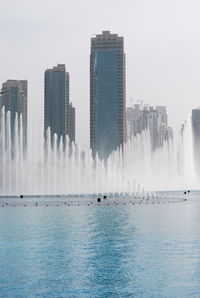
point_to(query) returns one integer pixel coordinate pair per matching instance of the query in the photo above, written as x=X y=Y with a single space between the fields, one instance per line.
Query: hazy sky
x=162 y=45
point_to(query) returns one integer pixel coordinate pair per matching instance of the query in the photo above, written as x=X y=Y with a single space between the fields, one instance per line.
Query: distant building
x=56 y=101
x=72 y=126
x=14 y=98
x=140 y=118
x=196 y=122
x=107 y=93
x=1 y=103
x=196 y=137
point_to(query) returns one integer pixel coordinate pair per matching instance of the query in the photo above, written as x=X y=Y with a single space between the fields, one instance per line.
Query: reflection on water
x=107 y=251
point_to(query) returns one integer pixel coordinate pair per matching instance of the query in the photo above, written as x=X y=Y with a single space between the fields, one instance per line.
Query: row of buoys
x=98 y=203
x=147 y=197
x=104 y=197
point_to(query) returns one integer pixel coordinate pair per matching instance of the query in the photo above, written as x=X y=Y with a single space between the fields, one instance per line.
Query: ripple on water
x=114 y=251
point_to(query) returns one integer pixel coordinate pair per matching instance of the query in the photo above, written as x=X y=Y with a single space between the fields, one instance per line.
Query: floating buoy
x=98 y=200
x=21 y=196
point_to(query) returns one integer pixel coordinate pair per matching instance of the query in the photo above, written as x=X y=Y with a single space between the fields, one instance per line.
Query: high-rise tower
x=107 y=93
x=56 y=101
x=72 y=125
x=196 y=138
x=14 y=99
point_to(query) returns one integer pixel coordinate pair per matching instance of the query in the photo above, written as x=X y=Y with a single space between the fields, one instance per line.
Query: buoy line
x=90 y=203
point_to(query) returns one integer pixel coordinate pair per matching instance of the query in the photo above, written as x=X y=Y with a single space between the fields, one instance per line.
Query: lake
x=100 y=251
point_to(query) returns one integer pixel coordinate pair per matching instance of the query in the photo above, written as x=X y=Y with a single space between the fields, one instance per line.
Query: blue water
x=100 y=251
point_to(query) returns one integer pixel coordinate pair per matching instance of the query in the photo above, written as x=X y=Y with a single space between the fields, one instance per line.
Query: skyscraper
x=141 y=118
x=56 y=101
x=14 y=99
x=72 y=123
x=196 y=137
x=107 y=93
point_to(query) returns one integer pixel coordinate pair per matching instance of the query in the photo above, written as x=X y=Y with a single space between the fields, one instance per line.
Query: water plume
x=60 y=167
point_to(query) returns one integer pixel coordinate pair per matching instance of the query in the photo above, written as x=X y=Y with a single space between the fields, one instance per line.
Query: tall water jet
x=52 y=167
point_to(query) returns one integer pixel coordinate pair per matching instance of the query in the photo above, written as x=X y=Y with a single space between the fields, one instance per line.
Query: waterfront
x=101 y=251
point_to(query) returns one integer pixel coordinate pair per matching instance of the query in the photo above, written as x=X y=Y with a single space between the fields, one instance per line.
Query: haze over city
x=161 y=41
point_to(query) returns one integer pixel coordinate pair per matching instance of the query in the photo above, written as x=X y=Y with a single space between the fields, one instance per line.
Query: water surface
x=100 y=251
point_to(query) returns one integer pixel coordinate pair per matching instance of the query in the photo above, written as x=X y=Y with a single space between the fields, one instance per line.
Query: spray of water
x=52 y=168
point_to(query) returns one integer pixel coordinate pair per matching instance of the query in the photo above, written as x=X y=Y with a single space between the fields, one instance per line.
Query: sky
x=162 y=46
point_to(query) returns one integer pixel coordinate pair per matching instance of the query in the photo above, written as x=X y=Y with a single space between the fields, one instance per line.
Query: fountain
x=49 y=168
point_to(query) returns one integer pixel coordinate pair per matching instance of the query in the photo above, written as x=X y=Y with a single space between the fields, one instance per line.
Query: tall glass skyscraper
x=107 y=93
x=56 y=101
x=14 y=99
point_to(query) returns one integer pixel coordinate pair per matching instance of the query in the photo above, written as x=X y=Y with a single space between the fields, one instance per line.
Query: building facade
x=150 y=118
x=72 y=123
x=107 y=94
x=56 y=101
x=196 y=138
x=14 y=94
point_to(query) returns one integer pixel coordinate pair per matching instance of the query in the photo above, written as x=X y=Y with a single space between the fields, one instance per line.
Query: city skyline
x=162 y=51
x=111 y=123
x=18 y=104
